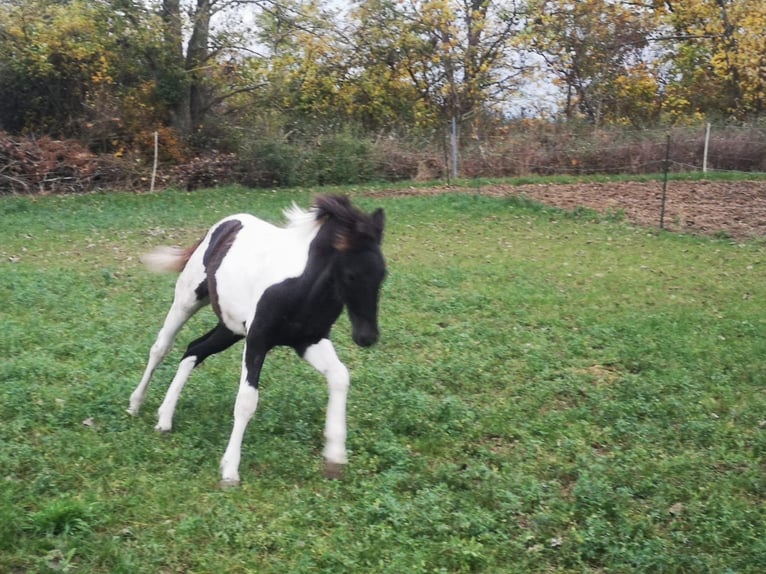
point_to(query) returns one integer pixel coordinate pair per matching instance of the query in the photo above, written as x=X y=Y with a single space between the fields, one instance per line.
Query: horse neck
x=321 y=270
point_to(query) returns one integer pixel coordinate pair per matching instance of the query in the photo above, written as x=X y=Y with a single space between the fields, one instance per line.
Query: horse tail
x=168 y=259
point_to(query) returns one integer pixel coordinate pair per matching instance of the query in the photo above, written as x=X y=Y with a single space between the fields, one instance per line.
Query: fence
x=523 y=149
x=550 y=150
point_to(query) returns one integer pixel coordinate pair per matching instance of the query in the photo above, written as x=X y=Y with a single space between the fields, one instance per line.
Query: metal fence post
x=454 y=148
x=707 y=142
x=665 y=183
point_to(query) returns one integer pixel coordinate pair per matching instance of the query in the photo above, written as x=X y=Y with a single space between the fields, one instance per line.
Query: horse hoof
x=162 y=430
x=228 y=483
x=132 y=412
x=334 y=470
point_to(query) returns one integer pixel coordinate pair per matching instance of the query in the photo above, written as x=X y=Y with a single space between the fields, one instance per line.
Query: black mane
x=353 y=226
x=339 y=207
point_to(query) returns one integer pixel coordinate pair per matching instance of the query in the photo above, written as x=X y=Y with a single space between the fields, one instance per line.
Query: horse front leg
x=244 y=408
x=323 y=358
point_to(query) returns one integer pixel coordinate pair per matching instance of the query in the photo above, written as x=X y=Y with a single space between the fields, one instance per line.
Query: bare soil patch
x=699 y=207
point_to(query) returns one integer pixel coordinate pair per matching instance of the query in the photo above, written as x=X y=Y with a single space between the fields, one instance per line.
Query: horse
x=274 y=286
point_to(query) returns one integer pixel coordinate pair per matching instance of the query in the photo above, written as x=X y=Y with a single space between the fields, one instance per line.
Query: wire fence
x=524 y=149
x=611 y=152
x=528 y=148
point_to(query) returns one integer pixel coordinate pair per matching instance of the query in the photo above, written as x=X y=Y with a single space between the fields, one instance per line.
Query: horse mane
x=353 y=227
x=299 y=217
x=339 y=208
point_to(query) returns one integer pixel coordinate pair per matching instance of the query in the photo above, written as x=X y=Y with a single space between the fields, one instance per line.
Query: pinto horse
x=274 y=286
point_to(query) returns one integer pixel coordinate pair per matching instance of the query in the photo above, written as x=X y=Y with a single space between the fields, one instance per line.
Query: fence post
x=665 y=182
x=154 y=167
x=454 y=148
x=707 y=142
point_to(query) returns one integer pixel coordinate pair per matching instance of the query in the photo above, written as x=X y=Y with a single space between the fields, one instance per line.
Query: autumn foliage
x=303 y=92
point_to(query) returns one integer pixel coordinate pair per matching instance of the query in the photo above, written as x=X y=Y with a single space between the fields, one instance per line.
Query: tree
x=79 y=69
x=642 y=61
x=381 y=47
x=598 y=52
x=717 y=56
x=455 y=54
x=186 y=70
x=52 y=55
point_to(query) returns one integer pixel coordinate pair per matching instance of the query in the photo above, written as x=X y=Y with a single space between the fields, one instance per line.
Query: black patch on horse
x=221 y=241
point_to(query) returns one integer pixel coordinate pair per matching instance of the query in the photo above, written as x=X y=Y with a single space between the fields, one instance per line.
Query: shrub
x=46 y=165
x=338 y=159
x=209 y=170
x=269 y=163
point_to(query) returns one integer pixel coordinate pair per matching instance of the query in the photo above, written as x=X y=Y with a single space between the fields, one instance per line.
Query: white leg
x=178 y=315
x=244 y=408
x=168 y=406
x=323 y=358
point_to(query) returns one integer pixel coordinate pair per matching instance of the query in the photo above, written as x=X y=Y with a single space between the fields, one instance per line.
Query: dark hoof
x=334 y=470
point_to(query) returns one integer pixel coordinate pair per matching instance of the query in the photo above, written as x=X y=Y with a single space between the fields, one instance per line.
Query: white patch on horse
x=244 y=409
x=281 y=253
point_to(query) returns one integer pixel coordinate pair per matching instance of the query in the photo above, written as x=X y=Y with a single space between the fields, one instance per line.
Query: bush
x=395 y=160
x=338 y=159
x=208 y=170
x=543 y=148
x=268 y=163
x=334 y=160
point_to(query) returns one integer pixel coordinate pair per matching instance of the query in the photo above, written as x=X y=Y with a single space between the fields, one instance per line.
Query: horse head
x=359 y=265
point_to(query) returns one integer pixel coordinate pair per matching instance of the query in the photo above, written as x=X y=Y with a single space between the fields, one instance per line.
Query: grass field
x=551 y=393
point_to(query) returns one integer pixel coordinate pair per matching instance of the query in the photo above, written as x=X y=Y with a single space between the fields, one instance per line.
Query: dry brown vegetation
x=45 y=165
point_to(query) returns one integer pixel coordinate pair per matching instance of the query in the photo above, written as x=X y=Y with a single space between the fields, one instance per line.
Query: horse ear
x=378 y=222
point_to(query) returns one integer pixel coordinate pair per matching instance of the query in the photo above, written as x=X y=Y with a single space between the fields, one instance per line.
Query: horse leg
x=216 y=340
x=323 y=358
x=244 y=408
x=180 y=312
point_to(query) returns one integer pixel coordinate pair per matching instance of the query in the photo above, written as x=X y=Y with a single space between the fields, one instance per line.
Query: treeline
x=287 y=84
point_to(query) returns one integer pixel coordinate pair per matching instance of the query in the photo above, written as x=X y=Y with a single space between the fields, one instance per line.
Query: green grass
x=551 y=393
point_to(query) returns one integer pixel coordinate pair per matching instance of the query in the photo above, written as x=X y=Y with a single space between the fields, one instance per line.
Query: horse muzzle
x=365 y=337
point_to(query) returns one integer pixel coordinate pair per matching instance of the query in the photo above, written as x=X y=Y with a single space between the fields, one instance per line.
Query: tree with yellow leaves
x=450 y=59
x=599 y=55
x=717 y=56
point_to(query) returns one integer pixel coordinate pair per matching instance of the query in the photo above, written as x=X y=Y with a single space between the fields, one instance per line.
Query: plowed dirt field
x=699 y=207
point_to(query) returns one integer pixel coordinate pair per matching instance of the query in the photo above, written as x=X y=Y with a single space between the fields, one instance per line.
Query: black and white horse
x=274 y=286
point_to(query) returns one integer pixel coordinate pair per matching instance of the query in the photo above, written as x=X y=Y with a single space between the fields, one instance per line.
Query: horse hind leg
x=216 y=340
x=180 y=312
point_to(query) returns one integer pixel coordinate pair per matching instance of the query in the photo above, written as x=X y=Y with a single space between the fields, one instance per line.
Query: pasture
x=551 y=393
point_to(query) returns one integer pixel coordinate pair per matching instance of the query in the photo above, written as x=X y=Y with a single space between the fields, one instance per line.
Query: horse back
x=242 y=256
